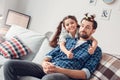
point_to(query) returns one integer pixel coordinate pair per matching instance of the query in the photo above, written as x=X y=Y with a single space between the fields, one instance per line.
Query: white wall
x=46 y=14
x=5 y=5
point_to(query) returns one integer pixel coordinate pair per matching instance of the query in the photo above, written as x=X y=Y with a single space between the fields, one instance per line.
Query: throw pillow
x=13 y=48
x=30 y=38
x=108 y=69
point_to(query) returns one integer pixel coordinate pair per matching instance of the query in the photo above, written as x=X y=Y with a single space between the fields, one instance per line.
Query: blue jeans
x=16 y=68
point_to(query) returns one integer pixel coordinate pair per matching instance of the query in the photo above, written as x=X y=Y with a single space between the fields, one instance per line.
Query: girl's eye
x=67 y=24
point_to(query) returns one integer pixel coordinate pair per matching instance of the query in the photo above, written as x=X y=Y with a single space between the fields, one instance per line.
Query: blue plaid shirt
x=82 y=59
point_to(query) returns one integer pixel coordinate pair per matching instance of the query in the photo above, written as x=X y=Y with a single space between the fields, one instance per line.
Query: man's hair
x=91 y=19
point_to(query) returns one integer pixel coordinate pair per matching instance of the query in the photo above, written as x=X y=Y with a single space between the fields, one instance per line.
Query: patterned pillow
x=13 y=48
x=108 y=69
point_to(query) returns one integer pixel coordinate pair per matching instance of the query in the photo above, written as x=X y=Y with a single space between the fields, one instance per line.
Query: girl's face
x=70 y=25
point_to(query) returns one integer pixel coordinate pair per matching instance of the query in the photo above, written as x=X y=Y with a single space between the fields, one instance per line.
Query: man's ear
x=93 y=31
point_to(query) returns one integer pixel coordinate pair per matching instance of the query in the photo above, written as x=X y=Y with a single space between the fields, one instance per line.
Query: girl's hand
x=70 y=54
x=91 y=50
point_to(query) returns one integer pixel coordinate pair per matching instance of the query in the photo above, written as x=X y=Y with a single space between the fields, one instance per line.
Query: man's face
x=86 y=29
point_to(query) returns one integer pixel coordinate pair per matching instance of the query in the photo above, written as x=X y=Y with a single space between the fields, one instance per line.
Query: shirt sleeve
x=87 y=72
x=94 y=60
x=52 y=53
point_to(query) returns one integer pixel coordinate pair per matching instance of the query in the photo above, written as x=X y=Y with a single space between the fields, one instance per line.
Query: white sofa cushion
x=1 y=73
x=3 y=60
x=45 y=48
x=30 y=38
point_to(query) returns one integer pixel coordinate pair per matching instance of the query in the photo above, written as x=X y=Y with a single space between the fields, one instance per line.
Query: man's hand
x=48 y=67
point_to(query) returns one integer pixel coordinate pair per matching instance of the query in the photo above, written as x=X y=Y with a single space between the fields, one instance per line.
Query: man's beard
x=84 y=36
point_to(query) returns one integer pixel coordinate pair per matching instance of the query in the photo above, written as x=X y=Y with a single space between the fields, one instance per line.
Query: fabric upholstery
x=13 y=48
x=108 y=69
x=44 y=49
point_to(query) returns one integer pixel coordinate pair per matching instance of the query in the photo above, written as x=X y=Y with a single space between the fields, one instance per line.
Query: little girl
x=70 y=30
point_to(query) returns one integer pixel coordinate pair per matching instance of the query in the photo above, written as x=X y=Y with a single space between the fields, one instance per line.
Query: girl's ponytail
x=54 y=41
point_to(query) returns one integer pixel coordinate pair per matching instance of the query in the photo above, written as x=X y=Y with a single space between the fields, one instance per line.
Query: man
x=56 y=66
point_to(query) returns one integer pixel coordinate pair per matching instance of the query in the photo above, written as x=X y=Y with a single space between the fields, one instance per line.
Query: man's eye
x=88 y=27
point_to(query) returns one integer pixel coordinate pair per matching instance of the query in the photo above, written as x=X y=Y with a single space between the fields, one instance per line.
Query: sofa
x=108 y=68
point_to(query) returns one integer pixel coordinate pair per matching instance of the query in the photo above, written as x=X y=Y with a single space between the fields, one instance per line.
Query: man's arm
x=94 y=60
x=50 y=68
x=91 y=65
x=47 y=65
x=77 y=74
